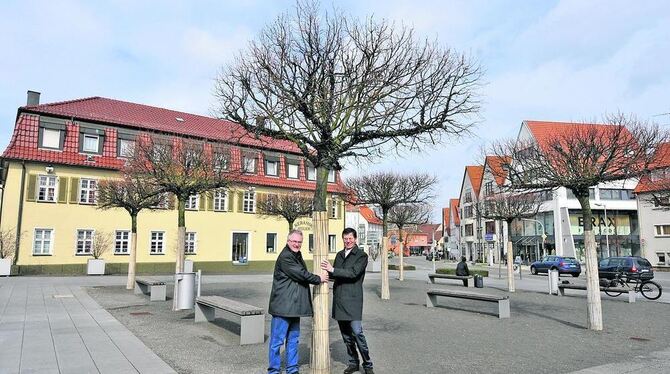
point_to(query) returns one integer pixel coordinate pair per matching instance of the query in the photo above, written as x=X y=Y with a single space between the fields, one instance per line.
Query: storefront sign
x=303 y=224
x=615 y=225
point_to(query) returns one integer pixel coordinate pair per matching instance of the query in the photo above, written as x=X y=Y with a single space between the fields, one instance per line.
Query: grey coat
x=290 y=296
x=348 y=275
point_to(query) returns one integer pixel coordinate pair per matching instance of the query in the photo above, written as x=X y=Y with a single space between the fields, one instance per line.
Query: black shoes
x=351 y=369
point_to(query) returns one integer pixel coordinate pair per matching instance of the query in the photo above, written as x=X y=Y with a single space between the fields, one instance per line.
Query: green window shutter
x=240 y=202
x=203 y=201
x=229 y=196
x=210 y=201
x=74 y=190
x=62 y=190
x=32 y=182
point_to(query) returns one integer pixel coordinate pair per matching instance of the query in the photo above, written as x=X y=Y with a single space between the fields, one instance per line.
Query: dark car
x=564 y=265
x=631 y=266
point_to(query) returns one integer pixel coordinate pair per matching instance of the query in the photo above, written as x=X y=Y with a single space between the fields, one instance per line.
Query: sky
x=543 y=60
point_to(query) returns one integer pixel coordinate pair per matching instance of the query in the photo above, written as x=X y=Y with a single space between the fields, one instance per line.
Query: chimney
x=33 y=98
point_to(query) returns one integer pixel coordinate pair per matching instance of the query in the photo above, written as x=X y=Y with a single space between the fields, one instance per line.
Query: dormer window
x=311 y=172
x=331 y=176
x=271 y=164
x=51 y=135
x=91 y=140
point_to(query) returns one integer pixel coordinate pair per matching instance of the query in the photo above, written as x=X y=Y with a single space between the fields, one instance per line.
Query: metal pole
x=607 y=237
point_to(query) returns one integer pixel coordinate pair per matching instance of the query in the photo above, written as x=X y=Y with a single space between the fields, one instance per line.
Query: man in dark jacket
x=348 y=274
x=462 y=269
x=290 y=299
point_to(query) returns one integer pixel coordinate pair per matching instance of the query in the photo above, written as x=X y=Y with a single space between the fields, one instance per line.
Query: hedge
x=407 y=267
x=452 y=271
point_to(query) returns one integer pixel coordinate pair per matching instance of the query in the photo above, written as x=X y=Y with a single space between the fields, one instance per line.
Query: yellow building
x=59 y=152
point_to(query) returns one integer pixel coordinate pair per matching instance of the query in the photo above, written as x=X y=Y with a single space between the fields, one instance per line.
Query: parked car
x=564 y=265
x=632 y=267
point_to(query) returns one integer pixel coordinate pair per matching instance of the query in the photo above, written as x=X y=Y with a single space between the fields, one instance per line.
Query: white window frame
x=89 y=150
x=126 y=148
x=331 y=176
x=190 y=242
x=272 y=249
x=220 y=160
x=276 y=168
x=44 y=137
x=332 y=243
x=249 y=201
x=88 y=194
x=660 y=232
x=248 y=164
x=310 y=173
x=49 y=248
x=220 y=201
x=193 y=202
x=249 y=246
x=46 y=188
x=164 y=202
x=85 y=241
x=155 y=242
x=292 y=167
x=333 y=208
x=120 y=243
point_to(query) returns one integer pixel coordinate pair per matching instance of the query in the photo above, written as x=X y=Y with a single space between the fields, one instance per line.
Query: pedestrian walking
x=348 y=273
x=290 y=299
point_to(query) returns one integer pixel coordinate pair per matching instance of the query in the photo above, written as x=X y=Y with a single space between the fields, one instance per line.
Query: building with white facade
x=367 y=225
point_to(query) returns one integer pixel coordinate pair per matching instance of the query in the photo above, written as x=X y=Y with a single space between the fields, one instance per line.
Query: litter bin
x=479 y=281
x=185 y=283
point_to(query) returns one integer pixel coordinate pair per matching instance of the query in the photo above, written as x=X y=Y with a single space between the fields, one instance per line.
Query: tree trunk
x=594 y=308
x=290 y=225
x=401 y=254
x=386 y=294
x=320 y=353
x=510 y=260
x=181 y=236
x=132 y=260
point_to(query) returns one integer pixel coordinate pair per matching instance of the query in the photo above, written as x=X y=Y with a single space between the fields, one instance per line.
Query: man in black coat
x=290 y=299
x=348 y=274
x=462 y=270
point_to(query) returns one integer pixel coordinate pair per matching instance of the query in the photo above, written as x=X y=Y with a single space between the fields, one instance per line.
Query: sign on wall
x=615 y=224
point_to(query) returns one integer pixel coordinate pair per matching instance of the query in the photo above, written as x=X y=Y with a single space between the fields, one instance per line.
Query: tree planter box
x=95 y=267
x=374 y=266
x=5 y=267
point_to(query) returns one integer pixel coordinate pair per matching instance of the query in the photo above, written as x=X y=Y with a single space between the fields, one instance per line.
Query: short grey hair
x=293 y=232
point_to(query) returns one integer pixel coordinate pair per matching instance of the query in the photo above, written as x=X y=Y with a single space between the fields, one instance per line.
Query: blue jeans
x=352 y=334
x=284 y=330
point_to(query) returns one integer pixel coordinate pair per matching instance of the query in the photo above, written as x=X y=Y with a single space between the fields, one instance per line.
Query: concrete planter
x=95 y=267
x=5 y=267
x=374 y=266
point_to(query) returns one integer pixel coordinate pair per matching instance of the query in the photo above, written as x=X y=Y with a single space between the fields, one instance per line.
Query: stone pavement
x=50 y=327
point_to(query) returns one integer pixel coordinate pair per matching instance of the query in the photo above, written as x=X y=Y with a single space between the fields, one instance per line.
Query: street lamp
x=544 y=234
x=607 y=238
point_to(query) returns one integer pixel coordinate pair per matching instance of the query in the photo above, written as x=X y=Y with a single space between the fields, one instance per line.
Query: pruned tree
x=102 y=243
x=507 y=206
x=577 y=157
x=133 y=194
x=8 y=239
x=343 y=88
x=404 y=215
x=183 y=168
x=291 y=206
x=388 y=190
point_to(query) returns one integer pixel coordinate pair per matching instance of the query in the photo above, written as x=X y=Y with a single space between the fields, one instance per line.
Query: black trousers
x=352 y=334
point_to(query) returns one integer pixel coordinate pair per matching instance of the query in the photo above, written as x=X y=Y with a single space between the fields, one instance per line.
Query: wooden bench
x=151 y=286
x=503 y=301
x=469 y=279
x=569 y=286
x=252 y=318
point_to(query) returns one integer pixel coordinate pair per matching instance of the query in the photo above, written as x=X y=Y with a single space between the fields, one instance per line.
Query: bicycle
x=648 y=288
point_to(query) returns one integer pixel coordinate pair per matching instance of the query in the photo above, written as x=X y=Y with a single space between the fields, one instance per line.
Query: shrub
x=451 y=271
x=407 y=267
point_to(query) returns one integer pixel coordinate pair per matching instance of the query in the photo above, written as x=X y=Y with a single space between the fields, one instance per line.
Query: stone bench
x=252 y=318
x=503 y=301
x=569 y=286
x=469 y=279
x=151 y=286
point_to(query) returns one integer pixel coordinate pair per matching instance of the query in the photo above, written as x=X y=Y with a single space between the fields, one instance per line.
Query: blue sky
x=544 y=60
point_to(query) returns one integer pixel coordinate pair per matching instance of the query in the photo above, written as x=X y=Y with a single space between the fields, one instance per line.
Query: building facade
x=471 y=233
x=368 y=226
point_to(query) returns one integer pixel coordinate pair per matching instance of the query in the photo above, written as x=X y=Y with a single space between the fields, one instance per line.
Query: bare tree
x=404 y=215
x=102 y=243
x=183 y=168
x=343 y=88
x=577 y=157
x=8 y=239
x=508 y=206
x=388 y=190
x=290 y=206
x=134 y=195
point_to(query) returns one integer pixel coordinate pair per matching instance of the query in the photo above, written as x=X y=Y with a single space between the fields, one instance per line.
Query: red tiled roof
x=496 y=163
x=661 y=161
x=475 y=173
x=453 y=205
x=24 y=142
x=369 y=215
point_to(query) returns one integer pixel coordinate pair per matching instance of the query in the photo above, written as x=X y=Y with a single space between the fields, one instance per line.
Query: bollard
x=553 y=282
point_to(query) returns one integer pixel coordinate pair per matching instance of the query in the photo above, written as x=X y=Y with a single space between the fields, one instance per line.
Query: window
x=47 y=188
x=662 y=230
x=157 y=242
x=121 y=242
x=84 y=242
x=292 y=171
x=467 y=211
x=333 y=208
x=51 y=134
x=50 y=138
x=270 y=242
x=193 y=202
x=331 y=176
x=249 y=202
x=90 y=143
x=468 y=196
x=490 y=227
x=163 y=202
x=220 y=160
x=125 y=148
x=87 y=191
x=661 y=258
x=488 y=189
x=249 y=164
x=361 y=233
x=332 y=243
x=311 y=242
x=42 y=241
x=240 y=248
x=311 y=173
x=190 y=243
x=271 y=167
x=469 y=230
x=220 y=198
